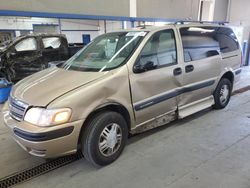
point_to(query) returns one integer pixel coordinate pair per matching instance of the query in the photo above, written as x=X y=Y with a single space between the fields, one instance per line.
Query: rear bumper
x=46 y=142
x=238 y=71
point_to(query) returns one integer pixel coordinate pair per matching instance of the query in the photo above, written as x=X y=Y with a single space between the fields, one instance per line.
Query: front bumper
x=46 y=142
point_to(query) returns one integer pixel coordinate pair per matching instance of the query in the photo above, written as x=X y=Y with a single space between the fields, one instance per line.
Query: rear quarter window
x=227 y=39
x=202 y=42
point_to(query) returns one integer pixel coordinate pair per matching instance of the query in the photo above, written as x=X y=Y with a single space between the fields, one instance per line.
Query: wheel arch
x=228 y=75
x=110 y=106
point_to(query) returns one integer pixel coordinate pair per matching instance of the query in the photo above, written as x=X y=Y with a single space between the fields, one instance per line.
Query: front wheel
x=104 y=138
x=222 y=93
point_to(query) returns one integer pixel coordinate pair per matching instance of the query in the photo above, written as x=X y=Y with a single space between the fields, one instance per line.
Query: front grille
x=17 y=109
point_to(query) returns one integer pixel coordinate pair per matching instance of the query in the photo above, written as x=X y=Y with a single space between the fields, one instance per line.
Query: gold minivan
x=123 y=82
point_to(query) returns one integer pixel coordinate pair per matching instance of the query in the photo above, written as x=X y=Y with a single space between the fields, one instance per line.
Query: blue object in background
x=5 y=88
x=248 y=61
x=244 y=52
x=85 y=39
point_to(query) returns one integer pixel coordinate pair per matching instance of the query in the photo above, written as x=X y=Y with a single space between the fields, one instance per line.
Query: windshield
x=106 y=52
x=7 y=43
x=4 y=44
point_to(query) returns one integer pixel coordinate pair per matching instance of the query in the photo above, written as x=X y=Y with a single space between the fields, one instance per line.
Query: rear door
x=201 y=68
x=154 y=91
x=54 y=49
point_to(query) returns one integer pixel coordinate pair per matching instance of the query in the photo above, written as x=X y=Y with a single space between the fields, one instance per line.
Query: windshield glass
x=7 y=43
x=106 y=52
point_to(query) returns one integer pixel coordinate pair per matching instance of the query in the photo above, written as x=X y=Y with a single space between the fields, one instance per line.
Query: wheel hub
x=110 y=139
x=224 y=94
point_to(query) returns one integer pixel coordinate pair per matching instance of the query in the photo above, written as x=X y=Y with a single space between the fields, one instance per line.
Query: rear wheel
x=104 y=138
x=222 y=93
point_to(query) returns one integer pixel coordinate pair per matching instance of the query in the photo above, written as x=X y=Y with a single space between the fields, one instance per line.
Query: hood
x=45 y=86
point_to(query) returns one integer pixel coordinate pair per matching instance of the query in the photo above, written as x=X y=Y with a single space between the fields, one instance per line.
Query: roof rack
x=143 y=25
x=201 y=22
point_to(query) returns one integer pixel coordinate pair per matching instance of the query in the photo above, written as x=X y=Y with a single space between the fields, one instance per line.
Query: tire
x=105 y=130
x=222 y=94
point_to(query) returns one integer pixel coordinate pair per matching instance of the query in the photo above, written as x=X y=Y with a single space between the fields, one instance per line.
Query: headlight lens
x=47 y=117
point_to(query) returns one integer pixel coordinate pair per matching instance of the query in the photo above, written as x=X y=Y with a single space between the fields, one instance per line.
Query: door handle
x=189 y=68
x=177 y=71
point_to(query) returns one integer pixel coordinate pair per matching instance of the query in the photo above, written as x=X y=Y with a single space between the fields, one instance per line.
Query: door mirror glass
x=149 y=65
x=138 y=68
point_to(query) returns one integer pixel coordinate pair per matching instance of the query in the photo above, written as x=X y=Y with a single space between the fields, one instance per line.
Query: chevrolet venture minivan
x=123 y=82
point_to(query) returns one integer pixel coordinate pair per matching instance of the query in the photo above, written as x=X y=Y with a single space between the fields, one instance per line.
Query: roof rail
x=201 y=22
x=143 y=25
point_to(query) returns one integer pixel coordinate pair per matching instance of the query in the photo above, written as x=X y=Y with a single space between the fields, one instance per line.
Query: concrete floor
x=209 y=149
x=245 y=78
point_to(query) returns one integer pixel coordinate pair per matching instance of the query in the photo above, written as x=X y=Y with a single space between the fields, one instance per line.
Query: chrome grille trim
x=17 y=108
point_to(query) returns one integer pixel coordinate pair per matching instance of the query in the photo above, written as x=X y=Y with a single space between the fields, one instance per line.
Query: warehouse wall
x=13 y=23
x=73 y=29
x=239 y=11
x=92 y=7
x=220 y=10
x=145 y=8
x=239 y=15
x=181 y=9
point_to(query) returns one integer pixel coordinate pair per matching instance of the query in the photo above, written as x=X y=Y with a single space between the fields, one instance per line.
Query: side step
x=196 y=106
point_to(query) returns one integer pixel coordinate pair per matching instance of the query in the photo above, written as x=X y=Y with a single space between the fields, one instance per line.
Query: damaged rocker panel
x=155 y=122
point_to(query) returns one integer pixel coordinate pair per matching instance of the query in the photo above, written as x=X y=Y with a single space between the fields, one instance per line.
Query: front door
x=154 y=91
x=25 y=58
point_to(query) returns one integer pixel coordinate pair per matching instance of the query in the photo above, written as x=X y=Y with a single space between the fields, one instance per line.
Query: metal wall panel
x=87 y=7
x=181 y=9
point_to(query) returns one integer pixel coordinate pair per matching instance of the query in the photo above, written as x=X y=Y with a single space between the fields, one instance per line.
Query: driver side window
x=160 y=49
x=28 y=44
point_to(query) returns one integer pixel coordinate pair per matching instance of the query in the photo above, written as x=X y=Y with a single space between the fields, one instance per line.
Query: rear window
x=203 y=42
x=51 y=42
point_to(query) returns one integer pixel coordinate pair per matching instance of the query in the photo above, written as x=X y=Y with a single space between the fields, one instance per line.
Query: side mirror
x=55 y=64
x=143 y=68
x=10 y=54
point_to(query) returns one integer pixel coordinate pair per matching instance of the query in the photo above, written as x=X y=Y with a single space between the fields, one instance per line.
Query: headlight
x=47 y=117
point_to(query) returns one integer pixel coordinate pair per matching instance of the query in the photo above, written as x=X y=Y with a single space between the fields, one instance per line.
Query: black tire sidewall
x=218 y=104
x=91 y=140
